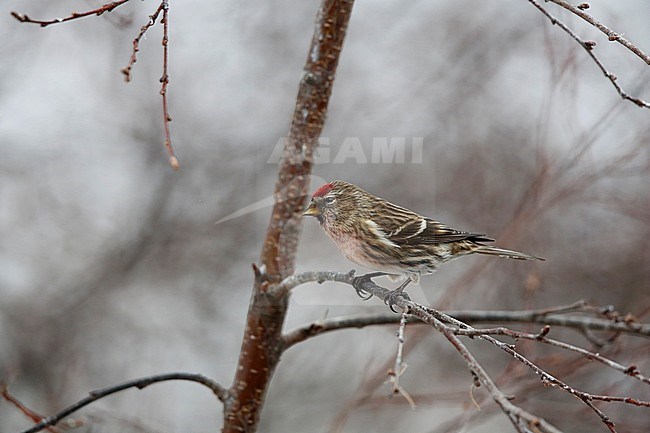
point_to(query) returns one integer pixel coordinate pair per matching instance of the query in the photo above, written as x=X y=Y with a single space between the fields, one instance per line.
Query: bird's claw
x=363 y=294
x=358 y=282
x=393 y=297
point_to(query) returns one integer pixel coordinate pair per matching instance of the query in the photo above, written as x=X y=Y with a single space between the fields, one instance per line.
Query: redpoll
x=379 y=235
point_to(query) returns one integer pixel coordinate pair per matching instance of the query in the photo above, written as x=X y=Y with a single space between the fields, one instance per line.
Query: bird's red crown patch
x=323 y=190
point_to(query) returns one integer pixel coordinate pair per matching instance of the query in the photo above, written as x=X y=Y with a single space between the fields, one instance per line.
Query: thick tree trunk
x=262 y=343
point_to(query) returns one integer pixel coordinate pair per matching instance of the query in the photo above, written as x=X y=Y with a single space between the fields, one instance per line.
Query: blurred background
x=112 y=266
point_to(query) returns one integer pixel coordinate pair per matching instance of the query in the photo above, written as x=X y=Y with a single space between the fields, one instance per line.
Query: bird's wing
x=433 y=232
x=402 y=226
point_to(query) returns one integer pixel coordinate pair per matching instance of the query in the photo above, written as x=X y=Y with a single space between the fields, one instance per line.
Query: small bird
x=395 y=241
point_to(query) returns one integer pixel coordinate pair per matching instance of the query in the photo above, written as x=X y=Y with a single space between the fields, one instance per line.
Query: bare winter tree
x=541 y=352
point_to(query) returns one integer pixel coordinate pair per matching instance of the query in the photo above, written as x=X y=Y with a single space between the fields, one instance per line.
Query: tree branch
x=400 y=366
x=589 y=47
x=451 y=328
x=173 y=161
x=631 y=370
x=553 y=316
x=522 y=420
x=262 y=342
x=126 y=71
x=140 y=383
x=108 y=7
x=611 y=34
x=305 y=332
x=29 y=413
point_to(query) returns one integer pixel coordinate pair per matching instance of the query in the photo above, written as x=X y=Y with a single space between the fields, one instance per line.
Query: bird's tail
x=494 y=251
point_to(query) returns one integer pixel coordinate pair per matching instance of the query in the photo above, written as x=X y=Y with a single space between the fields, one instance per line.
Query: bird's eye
x=329 y=200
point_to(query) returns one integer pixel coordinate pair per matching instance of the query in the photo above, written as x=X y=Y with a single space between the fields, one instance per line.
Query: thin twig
x=553 y=316
x=336 y=323
x=628 y=400
x=173 y=161
x=522 y=420
x=547 y=378
x=164 y=79
x=441 y=322
x=400 y=365
x=126 y=71
x=108 y=7
x=139 y=383
x=611 y=34
x=631 y=370
x=589 y=46
x=29 y=413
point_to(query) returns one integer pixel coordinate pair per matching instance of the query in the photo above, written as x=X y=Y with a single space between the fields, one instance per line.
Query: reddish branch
x=73 y=16
x=126 y=71
x=164 y=79
x=29 y=413
x=262 y=342
x=173 y=161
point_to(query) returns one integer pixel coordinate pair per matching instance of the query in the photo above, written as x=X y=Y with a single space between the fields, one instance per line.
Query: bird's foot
x=358 y=282
x=394 y=296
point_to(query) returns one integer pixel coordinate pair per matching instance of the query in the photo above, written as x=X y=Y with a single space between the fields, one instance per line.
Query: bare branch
x=611 y=34
x=126 y=71
x=589 y=47
x=318 y=327
x=29 y=413
x=522 y=420
x=553 y=316
x=108 y=7
x=547 y=378
x=322 y=326
x=442 y=321
x=295 y=280
x=570 y=321
x=164 y=79
x=140 y=383
x=628 y=400
x=400 y=366
x=173 y=161
x=631 y=370
x=262 y=341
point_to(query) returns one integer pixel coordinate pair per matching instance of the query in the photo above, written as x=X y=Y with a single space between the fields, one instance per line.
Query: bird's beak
x=311 y=210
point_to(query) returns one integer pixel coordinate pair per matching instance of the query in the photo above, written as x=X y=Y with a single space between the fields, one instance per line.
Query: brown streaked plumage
x=382 y=236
